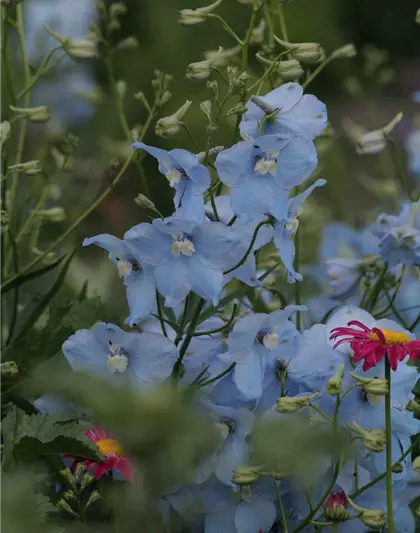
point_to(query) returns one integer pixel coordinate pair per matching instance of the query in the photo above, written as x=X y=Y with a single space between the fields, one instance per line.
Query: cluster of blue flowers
x=259 y=366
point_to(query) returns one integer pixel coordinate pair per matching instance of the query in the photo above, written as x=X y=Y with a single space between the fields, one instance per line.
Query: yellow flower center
x=109 y=446
x=391 y=337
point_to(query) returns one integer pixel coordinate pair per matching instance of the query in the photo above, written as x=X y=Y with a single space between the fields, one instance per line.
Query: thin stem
x=249 y=250
x=222 y=328
x=216 y=378
x=160 y=314
x=270 y=25
x=187 y=131
x=281 y=507
x=183 y=320
x=414 y=324
x=213 y=204
x=315 y=73
x=75 y=224
x=283 y=27
x=190 y=331
x=245 y=44
x=16 y=290
x=388 y=430
x=226 y=27
x=39 y=72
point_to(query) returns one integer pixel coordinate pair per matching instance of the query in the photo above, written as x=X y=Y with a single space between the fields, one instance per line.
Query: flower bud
x=129 y=43
x=416 y=464
x=53 y=214
x=199 y=70
x=77 y=48
x=373 y=439
x=69 y=477
x=335 y=507
x=305 y=52
x=33 y=114
x=213 y=151
x=31 y=168
x=278 y=475
x=397 y=468
x=9 y=369
x=4 y=221
x=168 y=126
x=80 y=469
x=62 y=504
x=87 y=480
x=413 y=406
x=93 y=498
x=374 y=142
x=221 y=58
x=346 y=51
x=257 y=35
x=144 y=202
x=238 y=109
x=289 y=70
x=117 y=9
x=335 y=382
x=246 y=475
x=417 y=17
x=369 y=517
x=4 y=131
x=375 y=386
x=69 y=495
x=121 y=88
x=189 y=17
x=292 y=404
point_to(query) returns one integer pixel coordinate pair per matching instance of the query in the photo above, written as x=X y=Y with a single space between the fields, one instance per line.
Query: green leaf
x=23 y=278
x=416 y=389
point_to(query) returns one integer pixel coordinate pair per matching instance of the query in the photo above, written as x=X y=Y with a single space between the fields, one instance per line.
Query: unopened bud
x=129 y=43
x=375 y=386
x=278 y=475
x=4 y=131
x=144 y=202
x=415 y=465
x=413 y=406
x=189 y=17
x=9 y=369
x=246 y=476
x=346 y=51
x=292 y=404
x=397 y=468
x=199 y=70
x=31 y=168
x=53 y=214
x=418 y=16
x=142 y=98
x=62 y=504
x=121 y=87
x=335 y=507
x=168 y=126
x=206 y=108
x=257 y=35
x=289 y=70
x=221 y=58
x=69 y=495
x=80 y=469
x=305 y=52
x=95 y=496
x=33 y=114
x=4 y=221
x=77 y=48
x=373 y=439
x=87 y=480
x=369 y=517
x=69 y=477
x=213 y=151
x=238 y=109
x=117 y=9
x=374 y=142
x=336 y=381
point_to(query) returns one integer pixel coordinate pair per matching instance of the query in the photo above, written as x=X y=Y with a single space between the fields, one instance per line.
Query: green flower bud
x=168 y=126
x=144 y=202
x=4 y=221
x=418 y=16
x=69 y=477
x=335 y=507
x=53 y=214
x=335 y=382
x=416 y=464
x=189 y=17
x=246 y=475
x=304 y=52
x=289 y=70
x=129 y=43
x=221 y=58
x=95 y=496
x=31 y=168
x=33 y=114
x=397 y=468
x=374 y=142
x=117 y=9
x=213 y=151
x=278 y=475
x=62 y=504
x=375 y=386
x=9 y=369
x=292 y=404
x=369 y=517
x=77 y=48
x=413 y=406
x=4 y=131
x=257 y=35
x=69 y=495
x=199 y=70
x=346 y=51
x=373 y=439
x=87 y=480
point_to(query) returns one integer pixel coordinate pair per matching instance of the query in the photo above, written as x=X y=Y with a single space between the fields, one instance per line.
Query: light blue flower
x=255 y=343
x=412 y=145
x=137 y=277
x=286 y=211
x=256 y=169
x=228 y=511
x=400 y=235
x=186 y=256
x=106 y=351
x=298 y=113
x=186 y=175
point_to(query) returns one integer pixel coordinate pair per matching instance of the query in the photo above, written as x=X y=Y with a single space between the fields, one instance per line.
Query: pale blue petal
x=286 y=249
x=245 y=331
x=220 y=245
x=221 y=521
x=148 y=244
x=257 y=514
x=164 y=158
x=228 y=459
x=308 y=117
x=206 y=282
x=85 y=354
x=152 y=357
x=173 y=281
x=198 y=174
x=248 y=377
x=235 y=164
x=296 y=162
x=254 y=198
x=189 y=206
x=296 y=202
x=174 y=225
x=112 y=244
x=141 y=293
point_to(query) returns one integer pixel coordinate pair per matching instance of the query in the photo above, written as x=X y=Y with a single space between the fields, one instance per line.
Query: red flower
x=112 y=451
x=373 y=344
x=335 y=506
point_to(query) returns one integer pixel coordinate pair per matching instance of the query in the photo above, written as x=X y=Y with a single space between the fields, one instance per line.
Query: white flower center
x=267 y=164
x=271 y=340
x=174 y=176
x=374 y=399
x=117 y=359
x=182 y=245
x=124 y=268
x=292 y=226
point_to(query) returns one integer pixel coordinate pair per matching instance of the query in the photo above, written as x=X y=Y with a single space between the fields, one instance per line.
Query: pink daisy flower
x=372 y=345
x=112 y=452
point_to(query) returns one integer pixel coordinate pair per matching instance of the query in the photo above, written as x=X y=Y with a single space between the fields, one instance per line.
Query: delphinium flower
x=137 y=277
x=138 y=359
x=400 y=235
x=113 y=460
x=185 y=256
x=287 y=110
x=186 y=175
x=255 y=343
x=256 y=169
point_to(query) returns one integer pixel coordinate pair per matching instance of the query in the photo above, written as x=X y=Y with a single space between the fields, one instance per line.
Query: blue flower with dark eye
x=186 y=256
x=186 y=175
x=124 y=358
x=255 y=170
x=292 y=113
x=286 y=212
x=137 y=277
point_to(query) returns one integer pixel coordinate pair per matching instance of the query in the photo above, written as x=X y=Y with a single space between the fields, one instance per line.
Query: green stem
x=216 y=378
x=16 y=290
x=190 y=333
x=160 y=314
x=39 y=72
x=283 y=27
x=388 y=430
x=270 y=25
x=226 y=27
x=315 y=73
x=183 y=320
x=249 y=250
x=281 y=507
x=75 y=224
x=222 y=328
